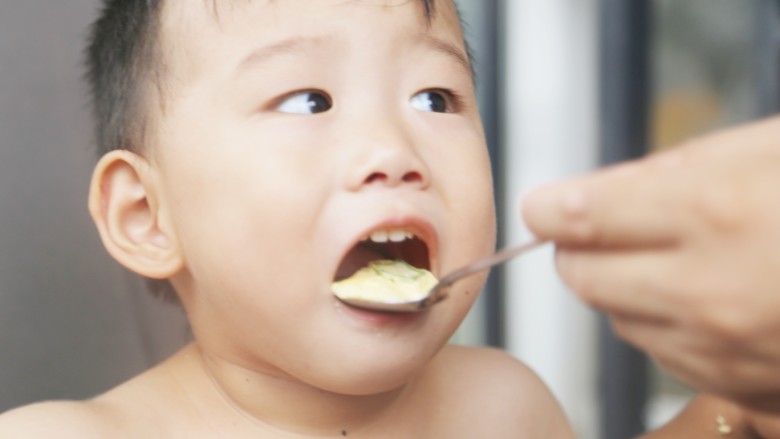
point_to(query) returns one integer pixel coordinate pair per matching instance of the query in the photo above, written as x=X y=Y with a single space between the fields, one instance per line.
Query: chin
x=368 y=384
x=374 y=373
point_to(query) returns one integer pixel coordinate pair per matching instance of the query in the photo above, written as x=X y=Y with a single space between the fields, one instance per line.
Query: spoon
x=439 y=291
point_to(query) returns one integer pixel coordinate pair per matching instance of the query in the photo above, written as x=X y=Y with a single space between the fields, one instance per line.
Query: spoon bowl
x=440 y=290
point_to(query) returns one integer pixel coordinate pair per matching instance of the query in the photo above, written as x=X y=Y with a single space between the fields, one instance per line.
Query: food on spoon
x=386 y=281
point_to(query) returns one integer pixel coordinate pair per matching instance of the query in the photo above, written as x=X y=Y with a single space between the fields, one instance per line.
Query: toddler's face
x=294 y=129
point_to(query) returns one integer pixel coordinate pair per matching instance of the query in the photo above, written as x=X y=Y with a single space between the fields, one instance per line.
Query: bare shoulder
x=488 y=370
x=115 y=413
x=508 y=397
x=463 y=359
x=61 y=419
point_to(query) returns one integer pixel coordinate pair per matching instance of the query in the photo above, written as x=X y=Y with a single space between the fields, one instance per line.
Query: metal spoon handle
x=482 y=264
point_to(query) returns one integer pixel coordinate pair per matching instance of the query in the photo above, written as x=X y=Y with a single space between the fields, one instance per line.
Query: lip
x=375 y=318
x=423 y=229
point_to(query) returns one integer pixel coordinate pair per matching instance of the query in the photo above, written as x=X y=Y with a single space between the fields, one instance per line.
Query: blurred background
x=565 y=86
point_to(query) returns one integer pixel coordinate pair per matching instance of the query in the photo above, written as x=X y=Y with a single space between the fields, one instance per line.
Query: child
x=248 y=148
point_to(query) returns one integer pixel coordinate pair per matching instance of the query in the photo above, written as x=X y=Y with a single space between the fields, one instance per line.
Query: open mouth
x=393 y=244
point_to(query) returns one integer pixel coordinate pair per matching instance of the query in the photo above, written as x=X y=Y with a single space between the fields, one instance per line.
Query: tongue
x=356 y=259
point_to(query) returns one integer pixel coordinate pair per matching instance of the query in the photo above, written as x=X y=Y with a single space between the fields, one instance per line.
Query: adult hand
x=682 y=251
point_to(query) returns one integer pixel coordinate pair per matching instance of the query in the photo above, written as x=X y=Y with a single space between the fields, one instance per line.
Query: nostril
x=412 y=177
x=376 y=176
x=393 y=180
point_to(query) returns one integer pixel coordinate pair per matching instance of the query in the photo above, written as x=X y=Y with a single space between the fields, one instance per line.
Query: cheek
x=226 y=228
x=472 y=192
x=471 y=230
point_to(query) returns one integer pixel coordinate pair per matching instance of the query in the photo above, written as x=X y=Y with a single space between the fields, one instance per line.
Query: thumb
x=627 y=204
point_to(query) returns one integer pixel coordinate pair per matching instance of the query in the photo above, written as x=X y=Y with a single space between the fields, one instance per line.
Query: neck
x=284 y=403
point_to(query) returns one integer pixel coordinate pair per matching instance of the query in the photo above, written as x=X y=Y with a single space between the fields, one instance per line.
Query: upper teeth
x=392 y=235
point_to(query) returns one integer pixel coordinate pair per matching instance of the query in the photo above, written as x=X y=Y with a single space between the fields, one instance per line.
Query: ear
x=126 y=208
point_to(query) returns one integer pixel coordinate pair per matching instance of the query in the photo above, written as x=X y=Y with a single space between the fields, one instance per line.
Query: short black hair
x=124 y=63
x=123 y=60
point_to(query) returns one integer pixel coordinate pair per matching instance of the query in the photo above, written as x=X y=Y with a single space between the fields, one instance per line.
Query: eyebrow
x=450 y=50
x=264 y=54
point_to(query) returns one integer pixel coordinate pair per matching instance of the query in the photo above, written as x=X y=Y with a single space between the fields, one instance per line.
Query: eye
x=305 y=102
x=436 y=101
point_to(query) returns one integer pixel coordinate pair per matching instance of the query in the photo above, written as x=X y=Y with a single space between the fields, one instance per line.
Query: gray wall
x=72 y=322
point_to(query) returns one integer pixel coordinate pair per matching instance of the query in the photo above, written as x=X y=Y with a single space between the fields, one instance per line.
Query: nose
x=393 y=170
x=387 y=160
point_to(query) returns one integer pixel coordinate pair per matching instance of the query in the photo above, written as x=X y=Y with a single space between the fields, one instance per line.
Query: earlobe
x=127 y=211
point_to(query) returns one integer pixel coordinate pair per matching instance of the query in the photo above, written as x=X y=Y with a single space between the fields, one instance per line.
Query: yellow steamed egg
x=386 y=281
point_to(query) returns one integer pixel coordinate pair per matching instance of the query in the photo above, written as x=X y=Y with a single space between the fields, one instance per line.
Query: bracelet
x=724 y=429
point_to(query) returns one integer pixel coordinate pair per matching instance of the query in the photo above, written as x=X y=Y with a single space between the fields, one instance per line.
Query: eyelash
x=277 y=103
x=452 y=100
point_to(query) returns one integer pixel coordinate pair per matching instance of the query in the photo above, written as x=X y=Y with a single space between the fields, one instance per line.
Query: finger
x=666 y=344
x=630 y=204
x=683 y=353
x=655 y=339
x=627 y=283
